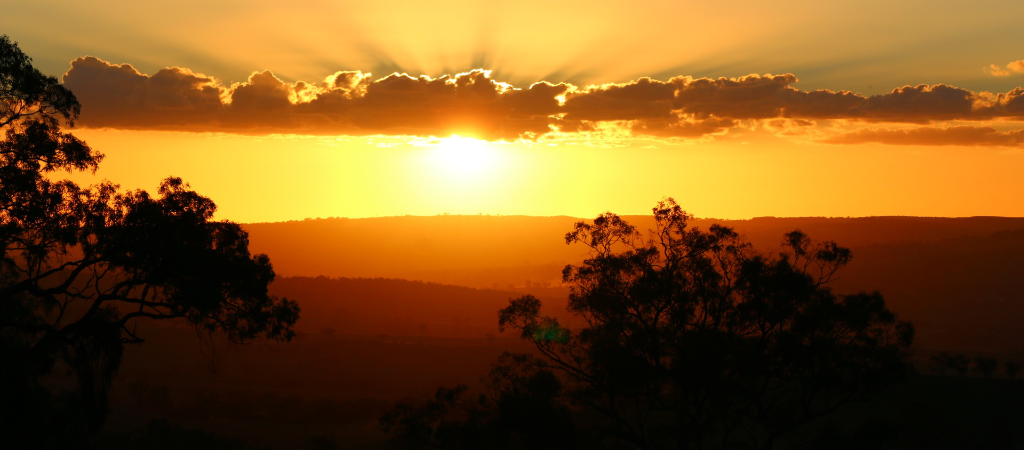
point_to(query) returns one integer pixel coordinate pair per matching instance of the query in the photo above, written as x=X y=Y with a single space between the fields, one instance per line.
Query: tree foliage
x=986 y=366
x=82 y=264
x=1012 y=369
x=691 y=339
x=523 y=407
x=959 y=364
x=694 y=340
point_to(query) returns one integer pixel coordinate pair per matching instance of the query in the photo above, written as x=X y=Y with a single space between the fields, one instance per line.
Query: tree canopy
x=82 y=264
x=691 y=339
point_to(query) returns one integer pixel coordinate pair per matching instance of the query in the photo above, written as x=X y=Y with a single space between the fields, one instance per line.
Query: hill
x=375 y=306
x=958 y=279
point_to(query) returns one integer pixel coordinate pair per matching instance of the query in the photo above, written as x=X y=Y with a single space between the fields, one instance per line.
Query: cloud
x=473 y=103
x=997 y=71
x=682 y=127
x=772 y=96
x=118 y=96
x=958 y=135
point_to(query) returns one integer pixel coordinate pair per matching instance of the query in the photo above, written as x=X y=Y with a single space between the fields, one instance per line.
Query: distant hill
x=495 y=251
x=961 y=280
x=372 y=306
x=479 y=251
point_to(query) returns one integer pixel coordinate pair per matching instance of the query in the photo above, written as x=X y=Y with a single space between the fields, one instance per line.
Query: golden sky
x=290 y=110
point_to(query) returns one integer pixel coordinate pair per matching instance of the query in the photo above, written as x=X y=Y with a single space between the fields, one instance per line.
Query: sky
x=288 y=110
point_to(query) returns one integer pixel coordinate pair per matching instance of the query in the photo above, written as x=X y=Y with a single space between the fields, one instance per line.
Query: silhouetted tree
x=1012 y=369
x=938 y=364
x=690 y=340
x=959 y=364
x=82 y=264
x=693 y=340
x=523 y=407
x=985 y=366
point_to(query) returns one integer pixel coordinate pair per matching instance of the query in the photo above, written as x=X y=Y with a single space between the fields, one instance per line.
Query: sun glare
x=463 y=157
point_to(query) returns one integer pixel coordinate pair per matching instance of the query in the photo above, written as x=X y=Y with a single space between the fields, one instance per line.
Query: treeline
x=986 y=366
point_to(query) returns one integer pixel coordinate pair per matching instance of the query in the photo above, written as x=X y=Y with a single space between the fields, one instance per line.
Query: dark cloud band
x=472 y=103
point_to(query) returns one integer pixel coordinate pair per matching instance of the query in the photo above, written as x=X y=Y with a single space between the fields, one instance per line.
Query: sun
x=464 y=157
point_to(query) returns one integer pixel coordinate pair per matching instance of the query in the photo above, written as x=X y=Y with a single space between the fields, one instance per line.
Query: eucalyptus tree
x=82 y=265
x=686 y=339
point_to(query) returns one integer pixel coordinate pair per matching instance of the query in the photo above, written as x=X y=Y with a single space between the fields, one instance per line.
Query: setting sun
x=463 y=157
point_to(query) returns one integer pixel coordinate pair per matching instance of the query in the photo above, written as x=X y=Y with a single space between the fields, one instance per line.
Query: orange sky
x=282 y=112
x=274 y=178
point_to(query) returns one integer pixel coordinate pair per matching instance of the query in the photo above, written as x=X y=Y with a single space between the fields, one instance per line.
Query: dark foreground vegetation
x=682 y=337
x=83 y=265
x=319 y=389
x=691 y=340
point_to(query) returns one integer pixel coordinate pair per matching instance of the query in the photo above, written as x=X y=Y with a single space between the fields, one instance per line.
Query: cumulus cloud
x=121 y=97
x=958 y=135
x=997 y=71
x=118 y=96
x=473 y=103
